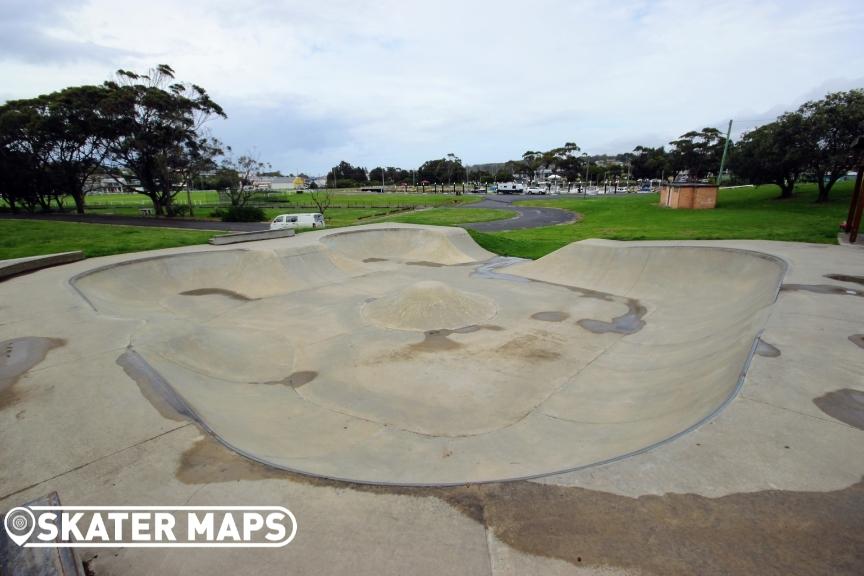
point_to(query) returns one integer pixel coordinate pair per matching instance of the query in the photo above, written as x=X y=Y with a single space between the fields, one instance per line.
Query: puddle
x=550 y=316
x=846 y=278
x=768 y=532
x=846 y=405
x=425 y=263
x=219 y=291
x=367 y=260
x=857 y=339
x=766 y=350
x=628 y=323
x=821 y=289
x=17 y=356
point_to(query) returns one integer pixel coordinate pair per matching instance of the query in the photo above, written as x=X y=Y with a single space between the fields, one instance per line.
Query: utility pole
x=725 y=151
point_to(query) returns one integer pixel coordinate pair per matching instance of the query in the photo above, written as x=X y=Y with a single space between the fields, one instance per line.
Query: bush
x=217 y=213
x=243 y=214
x=177 y=210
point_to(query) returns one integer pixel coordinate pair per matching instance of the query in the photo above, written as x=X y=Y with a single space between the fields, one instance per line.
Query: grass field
x=129 y=204
x=748 y=213
x=19 y=238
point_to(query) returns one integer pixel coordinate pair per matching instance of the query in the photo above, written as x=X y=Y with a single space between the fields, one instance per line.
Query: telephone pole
x=725 y=151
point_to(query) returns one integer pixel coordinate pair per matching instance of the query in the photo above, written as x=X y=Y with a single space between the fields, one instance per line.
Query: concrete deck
x=768 y=481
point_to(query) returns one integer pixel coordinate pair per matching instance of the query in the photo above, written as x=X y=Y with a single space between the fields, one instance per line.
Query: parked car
x=283 y=221
x=535 y=189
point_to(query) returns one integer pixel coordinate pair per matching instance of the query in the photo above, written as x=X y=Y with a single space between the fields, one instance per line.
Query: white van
x=283 y=221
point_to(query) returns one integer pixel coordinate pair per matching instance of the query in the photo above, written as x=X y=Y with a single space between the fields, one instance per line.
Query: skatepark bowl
x=411 y=356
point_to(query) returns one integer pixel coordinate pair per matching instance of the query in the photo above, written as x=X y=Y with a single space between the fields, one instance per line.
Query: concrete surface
x=15 y=266
x=771 y=484
x=238 y=237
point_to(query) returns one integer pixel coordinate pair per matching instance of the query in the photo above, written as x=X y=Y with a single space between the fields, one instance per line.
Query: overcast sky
x=308 y=83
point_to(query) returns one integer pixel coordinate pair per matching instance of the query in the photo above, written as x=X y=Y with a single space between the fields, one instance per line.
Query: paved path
x=151 y=221
x=525 y=217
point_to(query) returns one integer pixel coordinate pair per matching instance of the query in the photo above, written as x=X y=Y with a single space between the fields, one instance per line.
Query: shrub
x=177 y=210
x=217 y=213
x=243 y=214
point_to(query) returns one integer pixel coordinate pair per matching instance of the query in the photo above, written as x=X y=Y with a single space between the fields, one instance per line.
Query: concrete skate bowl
x=411 y=356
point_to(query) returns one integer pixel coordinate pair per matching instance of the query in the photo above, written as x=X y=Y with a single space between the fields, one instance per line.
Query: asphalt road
x=524 y=217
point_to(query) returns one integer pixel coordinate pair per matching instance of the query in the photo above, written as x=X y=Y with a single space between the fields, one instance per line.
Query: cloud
x=32 y=32
x=381 y=81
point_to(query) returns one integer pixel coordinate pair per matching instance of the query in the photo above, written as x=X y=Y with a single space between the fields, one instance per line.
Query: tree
x=830 y=126
x=649 y=162
x=245 y=167
x=322 y=197
x=443 y=171
x=697 y=152
x=774 y=153
x=344 y=175
x=158 y=125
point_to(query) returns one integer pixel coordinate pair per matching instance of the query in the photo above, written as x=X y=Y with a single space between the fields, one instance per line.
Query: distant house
x=276 y=183
x=105 y=184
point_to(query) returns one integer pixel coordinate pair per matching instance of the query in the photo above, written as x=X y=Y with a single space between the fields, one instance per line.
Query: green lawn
x=19 y=238
x=749 y=213
x=128 y=204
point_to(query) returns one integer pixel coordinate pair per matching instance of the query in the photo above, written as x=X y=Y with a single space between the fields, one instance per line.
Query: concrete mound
x=429 y=305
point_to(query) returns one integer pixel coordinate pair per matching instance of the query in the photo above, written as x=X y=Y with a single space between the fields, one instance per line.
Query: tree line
x=147 y=128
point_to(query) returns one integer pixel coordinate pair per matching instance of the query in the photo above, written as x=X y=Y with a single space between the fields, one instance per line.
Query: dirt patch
x=550 y=316
x=846 y=405
x=767 y=532
x=531 y=347
x=846 y=278
x=857 y=339
x=17 y=356
x=218 y=291
x=821 y=289
x=767 y=350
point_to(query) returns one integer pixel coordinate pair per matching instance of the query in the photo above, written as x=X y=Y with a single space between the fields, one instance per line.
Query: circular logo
x=19 y=523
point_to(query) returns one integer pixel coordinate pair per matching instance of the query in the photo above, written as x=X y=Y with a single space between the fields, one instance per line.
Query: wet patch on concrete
x=767 y=532
x=628 y=323
x=846 y=405
x=367 y=260
x=154 y=388
x=218 y=291
x=857 y=339
x=439 y=341
x=766 y=350
x=846 y=278
x=425 y=263
x=17 y=356
x=550 y=316
x=297 y=379
x=821 y=289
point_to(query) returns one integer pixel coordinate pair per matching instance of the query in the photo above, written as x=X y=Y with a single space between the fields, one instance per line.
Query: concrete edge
x=18 y=266
x=236 y=237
